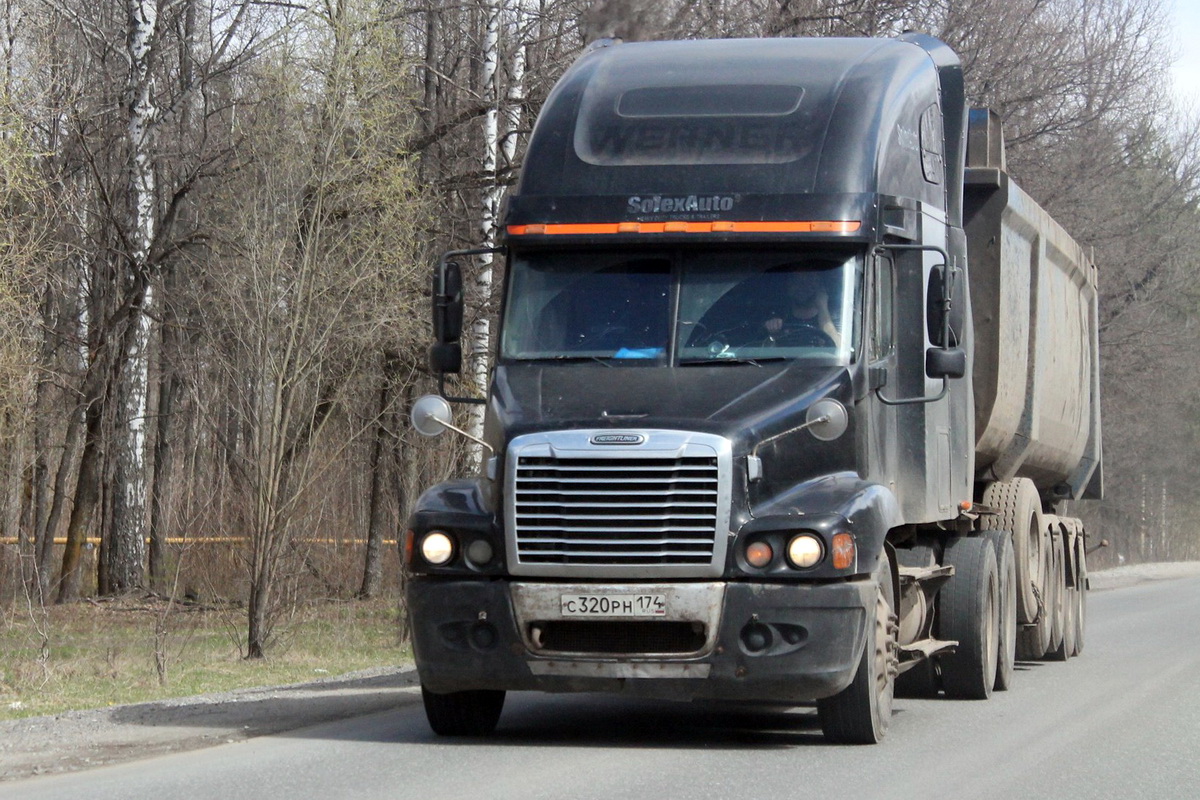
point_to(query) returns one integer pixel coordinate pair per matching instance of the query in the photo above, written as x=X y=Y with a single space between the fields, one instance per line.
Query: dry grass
x=91 y=655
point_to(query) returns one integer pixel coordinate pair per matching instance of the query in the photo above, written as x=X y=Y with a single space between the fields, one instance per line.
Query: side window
x=883 y=292
x=931 y=144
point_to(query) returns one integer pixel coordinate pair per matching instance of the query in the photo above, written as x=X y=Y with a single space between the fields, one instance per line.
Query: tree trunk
x=83 y=512
x=45 y=556
x=481 y=337
x=123 y=567
x=170 y=384
x=376 y=516
x=125 y=561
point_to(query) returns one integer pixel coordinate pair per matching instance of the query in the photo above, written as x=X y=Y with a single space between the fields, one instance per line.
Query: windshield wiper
x=758 y=362
x=565 y=359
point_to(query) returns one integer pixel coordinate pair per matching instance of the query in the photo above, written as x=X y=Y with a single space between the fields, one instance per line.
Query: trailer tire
x=1019 y=510
x=1007 y=569
x=1033 y=640
x=1058 y=603
x=469 y=713
x=1070 y=606
x=860 y=713
x=969 y=607
x=1081 y=587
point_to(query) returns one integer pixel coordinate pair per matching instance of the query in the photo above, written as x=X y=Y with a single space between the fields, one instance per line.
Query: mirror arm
x=909 y=401
x=474 y=401
x=461 y=432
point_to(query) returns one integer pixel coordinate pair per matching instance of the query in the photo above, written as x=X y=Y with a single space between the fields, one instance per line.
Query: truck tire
x=1081 y=585
x=1020 y=511
x=1007 y=569
x=969 y=611
x=860 y=713
x=1062 y=640
x=470 y=713
x=1057 y=583
x=1033 y=640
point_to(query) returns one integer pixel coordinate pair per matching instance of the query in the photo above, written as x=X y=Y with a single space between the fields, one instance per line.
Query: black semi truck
x=791 y=384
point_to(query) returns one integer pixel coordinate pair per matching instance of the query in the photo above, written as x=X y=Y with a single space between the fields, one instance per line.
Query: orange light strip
x=721 y=226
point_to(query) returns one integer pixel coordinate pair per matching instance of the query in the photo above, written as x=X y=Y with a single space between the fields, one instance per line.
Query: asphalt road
x=1122 y=721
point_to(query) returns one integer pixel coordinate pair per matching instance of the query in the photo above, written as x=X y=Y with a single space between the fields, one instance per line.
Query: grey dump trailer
x=791 y=386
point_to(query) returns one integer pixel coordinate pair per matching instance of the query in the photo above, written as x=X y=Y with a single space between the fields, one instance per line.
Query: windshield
x=685 y=306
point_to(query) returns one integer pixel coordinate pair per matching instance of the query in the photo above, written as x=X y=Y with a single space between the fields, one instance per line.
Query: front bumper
x=775 y=642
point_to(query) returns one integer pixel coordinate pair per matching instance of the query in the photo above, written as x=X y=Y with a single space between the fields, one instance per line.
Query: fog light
x=759 y=554
x=479 y=552
x=805 y=551
x=844 y=551
x=437 y=548
x=756 y=637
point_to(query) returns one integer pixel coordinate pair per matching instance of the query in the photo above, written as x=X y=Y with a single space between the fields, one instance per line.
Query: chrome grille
x=599 y=510
x=616 y=511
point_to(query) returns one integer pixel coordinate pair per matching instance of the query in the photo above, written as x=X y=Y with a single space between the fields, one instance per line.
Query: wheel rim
x=884 y=670
x=1034 y=554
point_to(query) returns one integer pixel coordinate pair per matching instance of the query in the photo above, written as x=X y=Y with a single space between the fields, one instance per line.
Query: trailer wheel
x=1070 y=608
x=1058 y=604
x=1081 y=590
x=969 y=606
x=1020 y=511
x=470 y=713
x=1034 y=640
x=1007 y=569
x=860 y=713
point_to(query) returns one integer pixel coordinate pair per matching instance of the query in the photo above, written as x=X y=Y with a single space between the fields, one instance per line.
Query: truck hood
x=743 y=402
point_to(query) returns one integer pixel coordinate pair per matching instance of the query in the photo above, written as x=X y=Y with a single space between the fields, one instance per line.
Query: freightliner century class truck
x=791 y=384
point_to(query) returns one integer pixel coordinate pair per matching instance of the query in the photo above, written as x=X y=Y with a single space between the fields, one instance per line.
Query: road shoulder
x=84 y=739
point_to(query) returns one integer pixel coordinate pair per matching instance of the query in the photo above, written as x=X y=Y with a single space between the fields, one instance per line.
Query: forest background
x=217 y=220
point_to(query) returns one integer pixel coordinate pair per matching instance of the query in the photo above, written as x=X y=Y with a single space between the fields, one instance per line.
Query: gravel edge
x=84 y=739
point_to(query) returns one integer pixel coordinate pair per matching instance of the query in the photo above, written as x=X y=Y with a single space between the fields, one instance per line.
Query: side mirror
x=447 y=304
x=431 y=415
x=950 y=362
x=445 y=357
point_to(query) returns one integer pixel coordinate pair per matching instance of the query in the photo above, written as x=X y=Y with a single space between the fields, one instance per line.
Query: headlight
x=805 y=551
x=437 y=548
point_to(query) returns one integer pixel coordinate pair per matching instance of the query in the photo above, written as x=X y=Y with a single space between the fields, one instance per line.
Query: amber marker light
x=409 y=540
x=759 y=554
x=844 y=551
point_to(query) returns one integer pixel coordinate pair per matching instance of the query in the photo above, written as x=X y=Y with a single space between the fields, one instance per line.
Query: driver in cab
x=807 y=307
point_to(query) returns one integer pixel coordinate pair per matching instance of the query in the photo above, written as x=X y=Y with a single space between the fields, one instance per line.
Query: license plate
x=614 y=605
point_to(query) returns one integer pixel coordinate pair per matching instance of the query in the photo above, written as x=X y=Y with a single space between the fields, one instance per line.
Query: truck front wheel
x=470 y=713
x=860 y=713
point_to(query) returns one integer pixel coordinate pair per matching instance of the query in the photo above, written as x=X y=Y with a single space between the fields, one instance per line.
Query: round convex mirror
x=430 y=415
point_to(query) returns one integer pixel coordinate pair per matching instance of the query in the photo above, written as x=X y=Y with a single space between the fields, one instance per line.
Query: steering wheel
x=799 y=333
x=739 y=334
